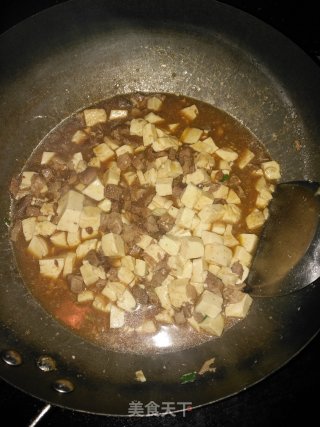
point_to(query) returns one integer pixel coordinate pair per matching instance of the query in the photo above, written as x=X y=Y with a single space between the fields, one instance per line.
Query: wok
x=83 y=51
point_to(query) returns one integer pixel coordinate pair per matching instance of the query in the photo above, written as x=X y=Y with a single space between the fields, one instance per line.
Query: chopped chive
x=225 y=178
x=190 y=377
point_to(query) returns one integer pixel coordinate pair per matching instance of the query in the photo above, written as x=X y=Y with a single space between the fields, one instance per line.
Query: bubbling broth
x=134 y=221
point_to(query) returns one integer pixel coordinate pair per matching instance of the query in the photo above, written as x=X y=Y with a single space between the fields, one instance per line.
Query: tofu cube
x=206 y=146
x=26 y=178
x=38 y=247
x=232 y=214
x=29 y=228
x=263 y=199
x=164 y=186
x=248 y=241
x=200 y=176
x=103 y=152
x=190 y=112
x=164 y=317
x=204 y=160
x=255 y=220
x=209 y=237
x=245 y=158
x=93 y=116
x=91 y=274
x=227 y=154
x=85 y=296
x=59 y=239
x=209 y=304
x=149 y=134
x=154 y=103
x=130 y=177
x=125 y=275
x=213 y=326
x=233 y=198
x=47 y=156
x=95 y=190
x=185 y=217
x=90 y=217
x=240 y=254
x=112 y=245
x=179 y=292
x=206 y=199
x=170 y=244
x=69 y=210
x=190 y=196
x=118 y=114
x=218 y=227
x=44 y=228
x=150 y=176
x=86 y=247
x=153 y=118
x=117 y=316
x=79 y=137
x=99 y=303
x=145 y=241
x=113 y=290
x=128 y=262
x=271 y=170
x=165 y=142
x=199 y=270
x=163 y=295
x=124 y=149
x=141 y=269
x=105 y=205
x=192 y=247
x=73 y=238
x=212 y=213
x=51 y=268
x=112 y=175
x=127 y=301
x=136 y=126
x=155 y=252
x=69 y=262
x=191 y=135
x=239 y=309
x=215 y=253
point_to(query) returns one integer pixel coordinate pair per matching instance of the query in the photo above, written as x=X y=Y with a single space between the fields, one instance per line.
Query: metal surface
x=288 y=254
x=84 y=51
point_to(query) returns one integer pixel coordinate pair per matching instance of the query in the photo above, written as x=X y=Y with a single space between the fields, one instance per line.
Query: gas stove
x=281 y=398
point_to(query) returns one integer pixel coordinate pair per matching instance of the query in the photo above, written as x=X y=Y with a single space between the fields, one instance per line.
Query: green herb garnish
x=190 y=377
x=224 y=178
x=6 y=222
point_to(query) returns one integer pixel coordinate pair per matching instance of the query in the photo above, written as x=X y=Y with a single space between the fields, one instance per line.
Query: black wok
x=83 y=51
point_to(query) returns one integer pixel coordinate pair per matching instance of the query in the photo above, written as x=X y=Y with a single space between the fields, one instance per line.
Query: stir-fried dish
x=135 y=220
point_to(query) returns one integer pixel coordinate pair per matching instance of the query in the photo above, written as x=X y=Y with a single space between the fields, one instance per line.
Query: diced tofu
x=130 y=177
x=173 y=127
x=164 y=317
x=212 y=213
x=118 y=114
x=85 y=296
x=170 y=169
x=218 y=227
x=206 y=199
x=209 y=304
x=215 y=253
x=26 y=177
x=113 y=290
x=99 y=303
x=79 y=137
x=112 y=245
x=161 y=202
x=239 y=309
x=103 y=152
x=93 y=116
x=206 y=146
x=85 y=247
x=105 y=205
x=154 y=103
x=214 y=269
x=69 y=211
x=136 y=126
x=45 y=228
x=111 y=143
x=90 y=217
x=255 y=220
x=69 y=261
x=147 y=327
x=232 y=214
x=128 y=262
x=248 y=241
x=28 y=228
x=185 y=217
x=164 y=186
x=145 y=241
x=190 y=196
x=190 y=112
x=263 y=199
x=150 y=176
x=179 y=292
x=240 y=254
x=271 y=170
x=51 y=268
x=124 y=149
x=227 y=154
x=173 y=211
x=95 y=190
x=191 y=135
x=245 y=158
x=199 y=267
x=73 y=239
x=91 y=274
x=140 y=375
x=141 y=178
x=192 y=321
x=149 y=134
x=227 y=276
x=213 y=326
x=126 y=301
x=153 y=118
x=125 y=275
x=141 y=269
x=112 y=175
x=221 y=192
x=192 y=247
x=47 y=156
x=59 y=239
x=165 y=142
x=200 y=176
x=204 y=160
x=163 y=295
x=179 y=232
x=38 y=247
x=233 y=198
x=47 y=209
x=170 y=244
x=116 y=317
x=155 y=252
x=88 y=233
x=228 y=238
x=211 y=237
